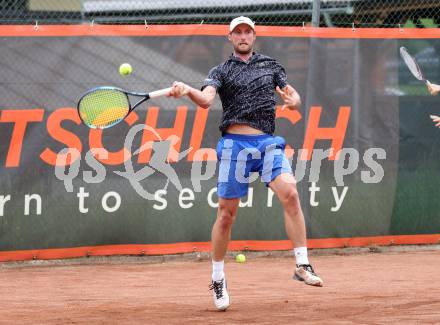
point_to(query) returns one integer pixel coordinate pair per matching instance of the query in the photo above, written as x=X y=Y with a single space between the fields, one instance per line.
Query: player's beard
x=245 y=50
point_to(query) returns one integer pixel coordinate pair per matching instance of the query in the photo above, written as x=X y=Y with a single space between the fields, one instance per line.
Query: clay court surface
x=373 y=288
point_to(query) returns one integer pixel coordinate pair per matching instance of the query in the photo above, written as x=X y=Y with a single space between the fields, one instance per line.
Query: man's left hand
x=436 y=120
x=290 y=97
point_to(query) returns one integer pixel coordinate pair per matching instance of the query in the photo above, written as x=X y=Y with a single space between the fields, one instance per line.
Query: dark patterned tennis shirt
x=247 y=90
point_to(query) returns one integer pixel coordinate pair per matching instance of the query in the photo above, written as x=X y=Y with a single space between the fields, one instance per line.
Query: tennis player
x=246 y=83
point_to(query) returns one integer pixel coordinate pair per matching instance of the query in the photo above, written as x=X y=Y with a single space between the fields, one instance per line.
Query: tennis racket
x=104 y=107
x=412 y=64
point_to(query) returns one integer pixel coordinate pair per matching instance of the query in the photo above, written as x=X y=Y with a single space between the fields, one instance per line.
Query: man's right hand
x=179 y=89
x=433 y=88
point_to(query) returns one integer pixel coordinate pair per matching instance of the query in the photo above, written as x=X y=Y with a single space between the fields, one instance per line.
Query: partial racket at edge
x=412 y=65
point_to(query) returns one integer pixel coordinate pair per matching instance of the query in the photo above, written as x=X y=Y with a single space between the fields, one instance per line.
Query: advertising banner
x=362 y=147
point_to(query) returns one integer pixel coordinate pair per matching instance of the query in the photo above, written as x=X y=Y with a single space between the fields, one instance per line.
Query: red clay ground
x=375 y=288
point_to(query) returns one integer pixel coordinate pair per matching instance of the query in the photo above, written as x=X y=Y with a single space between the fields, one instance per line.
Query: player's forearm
x=200 y=98
x=203 y=98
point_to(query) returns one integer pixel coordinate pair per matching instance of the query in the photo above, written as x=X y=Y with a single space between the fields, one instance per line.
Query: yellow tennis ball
x=240 y=258
x=125 y=69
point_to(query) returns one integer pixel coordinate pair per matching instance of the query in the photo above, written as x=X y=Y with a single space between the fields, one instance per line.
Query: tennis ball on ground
x=125 y=69
x=240 y=258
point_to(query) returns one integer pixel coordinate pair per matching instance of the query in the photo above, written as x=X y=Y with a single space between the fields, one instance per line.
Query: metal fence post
x=316 y=12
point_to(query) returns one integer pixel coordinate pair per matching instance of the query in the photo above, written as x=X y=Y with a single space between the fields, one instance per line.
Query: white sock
x=301 y=255
x=217 y=270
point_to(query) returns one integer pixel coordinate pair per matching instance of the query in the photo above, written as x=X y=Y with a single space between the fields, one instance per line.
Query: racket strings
x=411 y=64
x=104 y=107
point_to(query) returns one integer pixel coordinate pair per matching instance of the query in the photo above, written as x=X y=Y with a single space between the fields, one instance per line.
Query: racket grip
x=160 y=92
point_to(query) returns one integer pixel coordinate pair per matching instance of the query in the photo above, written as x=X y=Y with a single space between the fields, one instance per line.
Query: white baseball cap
x=241 y=20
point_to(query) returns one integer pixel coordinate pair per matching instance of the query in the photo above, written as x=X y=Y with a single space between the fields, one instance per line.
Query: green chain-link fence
x=331 y=13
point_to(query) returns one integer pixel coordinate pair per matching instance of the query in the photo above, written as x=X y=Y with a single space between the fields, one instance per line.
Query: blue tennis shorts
x=239 y=155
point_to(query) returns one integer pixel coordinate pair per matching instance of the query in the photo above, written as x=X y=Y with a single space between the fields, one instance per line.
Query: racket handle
x=160 y=92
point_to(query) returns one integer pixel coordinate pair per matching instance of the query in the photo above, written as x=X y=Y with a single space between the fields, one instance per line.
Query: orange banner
x=212 y=30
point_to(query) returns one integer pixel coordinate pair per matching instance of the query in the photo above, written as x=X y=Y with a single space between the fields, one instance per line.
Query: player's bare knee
x=290 y=197
x=225 y=218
